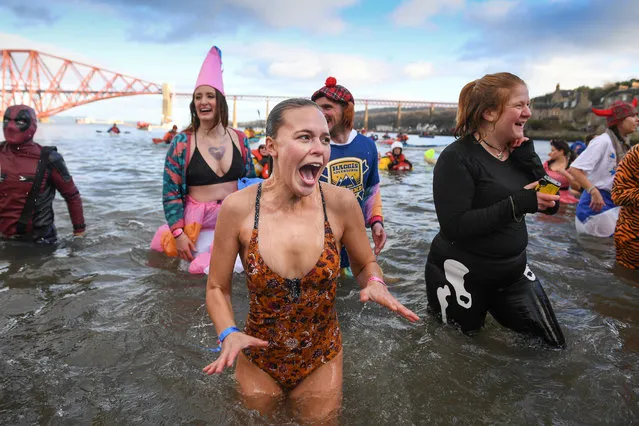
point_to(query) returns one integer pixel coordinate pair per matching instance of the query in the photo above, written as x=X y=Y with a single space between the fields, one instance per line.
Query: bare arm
x=226 y=247
x=596 y=200
x=580 y=178
x=571 y=179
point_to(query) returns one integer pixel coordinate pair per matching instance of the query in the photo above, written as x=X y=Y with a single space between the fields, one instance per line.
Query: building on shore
x=560 y=105
x=574 y=105
x=623 y=93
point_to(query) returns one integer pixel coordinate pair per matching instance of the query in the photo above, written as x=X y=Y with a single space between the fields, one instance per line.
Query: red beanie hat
x=334 y=91
x=617 y=112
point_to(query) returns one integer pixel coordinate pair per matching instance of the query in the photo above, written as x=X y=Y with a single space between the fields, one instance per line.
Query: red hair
x=348 y=115
x=491 y=92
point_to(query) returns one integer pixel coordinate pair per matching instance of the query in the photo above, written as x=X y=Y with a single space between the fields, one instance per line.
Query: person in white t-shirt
x=595 y=169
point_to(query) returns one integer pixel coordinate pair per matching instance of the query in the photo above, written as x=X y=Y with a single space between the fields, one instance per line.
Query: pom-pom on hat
x=211 y=71
x=334 y=91
x=617 y=112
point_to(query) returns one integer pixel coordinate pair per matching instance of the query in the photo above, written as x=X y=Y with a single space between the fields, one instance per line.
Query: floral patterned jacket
x=174 y=189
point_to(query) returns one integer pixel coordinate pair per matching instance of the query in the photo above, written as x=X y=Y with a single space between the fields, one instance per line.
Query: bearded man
x=30 y=174
x=353 y=161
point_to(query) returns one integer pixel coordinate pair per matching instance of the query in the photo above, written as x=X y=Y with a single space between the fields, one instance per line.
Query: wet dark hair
x=492 y=91
x=561 y=145
x=221 y=112
x=276 y=116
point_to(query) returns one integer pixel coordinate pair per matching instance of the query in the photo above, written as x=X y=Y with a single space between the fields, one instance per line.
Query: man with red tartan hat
x=353 y=161
x=26 y=211
x=595 y=168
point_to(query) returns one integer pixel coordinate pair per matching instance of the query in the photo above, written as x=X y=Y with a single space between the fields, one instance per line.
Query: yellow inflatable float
x=395 y=160
x=430 y=157
x=383 y=163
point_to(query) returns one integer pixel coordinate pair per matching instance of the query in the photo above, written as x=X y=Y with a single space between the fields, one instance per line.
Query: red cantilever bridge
x=51 y=84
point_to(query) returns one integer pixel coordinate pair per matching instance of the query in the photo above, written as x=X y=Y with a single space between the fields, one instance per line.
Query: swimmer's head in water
x=397 y=148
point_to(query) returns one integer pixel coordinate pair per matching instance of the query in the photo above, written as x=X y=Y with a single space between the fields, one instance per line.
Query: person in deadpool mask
x=19 y=159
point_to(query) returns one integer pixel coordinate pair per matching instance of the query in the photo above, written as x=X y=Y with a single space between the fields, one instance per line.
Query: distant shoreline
x=567 y=135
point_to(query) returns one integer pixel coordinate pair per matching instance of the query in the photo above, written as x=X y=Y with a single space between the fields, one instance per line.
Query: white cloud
x=542 y=76
x=17 y=42
x=491 y=10
x=300 y=68
x=416 y=12
x=314 y=16
x=419 y=70
x=303 y=64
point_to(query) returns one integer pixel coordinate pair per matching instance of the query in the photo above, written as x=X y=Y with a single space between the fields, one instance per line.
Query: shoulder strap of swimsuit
x=257 y=205
x=323 y=203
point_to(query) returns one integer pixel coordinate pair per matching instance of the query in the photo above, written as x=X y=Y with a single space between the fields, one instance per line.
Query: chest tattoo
x=217 y=152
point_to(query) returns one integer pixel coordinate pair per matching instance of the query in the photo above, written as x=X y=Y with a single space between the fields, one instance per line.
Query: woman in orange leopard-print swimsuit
x=625 y=193
x=289 y=232
x=302 y=329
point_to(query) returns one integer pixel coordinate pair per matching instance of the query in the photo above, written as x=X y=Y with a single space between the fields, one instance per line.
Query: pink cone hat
x=211 y=71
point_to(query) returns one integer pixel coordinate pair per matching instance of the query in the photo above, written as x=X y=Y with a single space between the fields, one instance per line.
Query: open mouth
x=520 y=123
x=310 y=173
x=205 y=110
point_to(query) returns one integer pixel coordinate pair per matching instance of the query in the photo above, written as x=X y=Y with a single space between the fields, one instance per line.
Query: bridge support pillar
x=366 y=115
x=399 y=115
x=267 y=111
x=430 y=113
x=167 y=104
x=235 y=112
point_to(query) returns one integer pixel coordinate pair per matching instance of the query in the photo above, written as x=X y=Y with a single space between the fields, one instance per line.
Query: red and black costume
x=19 y=160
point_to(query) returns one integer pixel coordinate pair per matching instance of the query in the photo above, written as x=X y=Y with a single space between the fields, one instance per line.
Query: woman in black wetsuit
x=483 y=187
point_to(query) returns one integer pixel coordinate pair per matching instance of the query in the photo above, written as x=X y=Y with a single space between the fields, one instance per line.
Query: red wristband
x=177 y=232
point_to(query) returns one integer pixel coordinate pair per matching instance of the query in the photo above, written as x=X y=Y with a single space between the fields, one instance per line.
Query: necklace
x=500 y=153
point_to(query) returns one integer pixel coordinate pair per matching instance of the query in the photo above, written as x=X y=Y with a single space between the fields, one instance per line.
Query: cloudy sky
x=401 y=49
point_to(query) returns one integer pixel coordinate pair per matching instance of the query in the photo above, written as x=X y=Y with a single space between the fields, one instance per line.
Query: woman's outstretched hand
x=231 y=347
x=378 y=293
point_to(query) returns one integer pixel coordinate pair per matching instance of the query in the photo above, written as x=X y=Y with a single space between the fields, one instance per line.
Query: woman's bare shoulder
x=241 y=202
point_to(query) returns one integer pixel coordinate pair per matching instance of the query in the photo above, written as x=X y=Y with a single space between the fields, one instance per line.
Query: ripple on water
x=104 y=331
